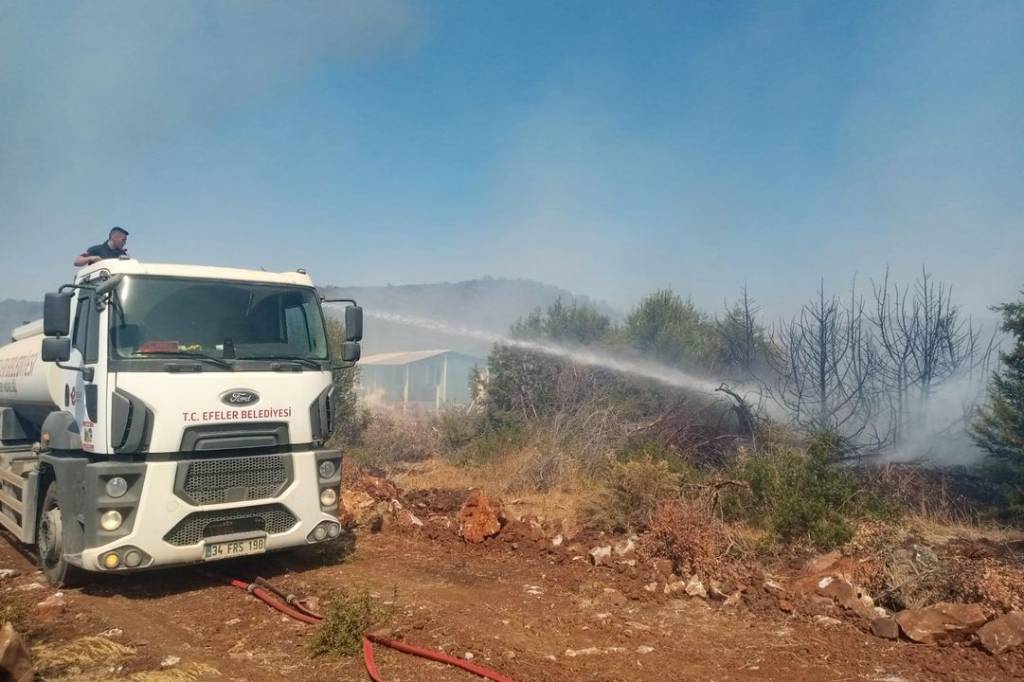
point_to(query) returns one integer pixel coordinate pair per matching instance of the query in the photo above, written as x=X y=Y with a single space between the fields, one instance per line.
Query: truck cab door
x=88 y=396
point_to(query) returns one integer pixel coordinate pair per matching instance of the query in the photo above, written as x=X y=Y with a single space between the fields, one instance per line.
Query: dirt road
x=531 y=616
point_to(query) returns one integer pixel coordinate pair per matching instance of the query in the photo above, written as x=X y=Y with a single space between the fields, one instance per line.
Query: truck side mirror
x=57 y=314
x=56 y=349
x=354 y=323
x=350 y=351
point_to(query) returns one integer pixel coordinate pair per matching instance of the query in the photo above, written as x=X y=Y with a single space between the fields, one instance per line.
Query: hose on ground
x=287 y=604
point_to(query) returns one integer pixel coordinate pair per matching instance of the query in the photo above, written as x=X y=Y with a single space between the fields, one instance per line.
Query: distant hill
x=488 y=305
x=13 y=313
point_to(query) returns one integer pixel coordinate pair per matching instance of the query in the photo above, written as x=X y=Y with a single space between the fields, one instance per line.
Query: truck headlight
x=328 y=497
x=117 y=486
x=111 y=520
x=326 y=468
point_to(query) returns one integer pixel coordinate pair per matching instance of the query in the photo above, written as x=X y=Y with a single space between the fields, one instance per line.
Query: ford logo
x=239 y=396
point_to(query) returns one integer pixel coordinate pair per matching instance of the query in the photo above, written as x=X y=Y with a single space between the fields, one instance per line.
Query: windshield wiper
x=185 y=354
x=315 y=364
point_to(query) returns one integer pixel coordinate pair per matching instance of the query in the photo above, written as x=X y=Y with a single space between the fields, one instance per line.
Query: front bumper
x=170 y=530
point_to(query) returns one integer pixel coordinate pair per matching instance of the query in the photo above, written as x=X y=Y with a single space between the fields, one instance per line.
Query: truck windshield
x=161 y=317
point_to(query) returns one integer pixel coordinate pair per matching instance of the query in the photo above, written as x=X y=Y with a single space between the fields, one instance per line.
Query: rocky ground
x=532 y=598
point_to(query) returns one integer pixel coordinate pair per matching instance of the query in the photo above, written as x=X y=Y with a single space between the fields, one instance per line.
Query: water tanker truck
x=161 y=415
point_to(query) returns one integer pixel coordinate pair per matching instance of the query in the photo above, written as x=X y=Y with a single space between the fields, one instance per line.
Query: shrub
x=457 y=426
x=801 y=496
x=633 y=494
x=688 y=533
x=389 y=440
x=348 y=617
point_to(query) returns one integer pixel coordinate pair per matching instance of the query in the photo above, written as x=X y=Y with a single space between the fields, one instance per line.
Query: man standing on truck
x=114 y=247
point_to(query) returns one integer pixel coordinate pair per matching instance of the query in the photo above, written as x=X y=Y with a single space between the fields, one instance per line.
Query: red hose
x=371 y=665
x=430 y=654
x=266 y=598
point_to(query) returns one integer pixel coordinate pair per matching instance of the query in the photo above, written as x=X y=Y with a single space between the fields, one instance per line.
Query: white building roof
x=404 y=358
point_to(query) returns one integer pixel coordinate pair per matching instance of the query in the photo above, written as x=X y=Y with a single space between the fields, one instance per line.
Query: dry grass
x=939 y=530
x=75 y=659
x=192 y=672
x=97 y=659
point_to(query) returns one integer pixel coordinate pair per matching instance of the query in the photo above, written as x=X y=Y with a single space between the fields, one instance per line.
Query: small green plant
x=632 y=496
x=348 y=617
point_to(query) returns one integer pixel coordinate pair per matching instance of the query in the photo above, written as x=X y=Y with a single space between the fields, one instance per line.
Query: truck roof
x=130 y=266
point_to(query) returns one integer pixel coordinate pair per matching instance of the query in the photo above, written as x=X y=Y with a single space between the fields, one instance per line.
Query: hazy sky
x=610 y=148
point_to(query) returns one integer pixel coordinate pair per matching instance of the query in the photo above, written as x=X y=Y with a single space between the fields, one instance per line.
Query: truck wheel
x=50 y=543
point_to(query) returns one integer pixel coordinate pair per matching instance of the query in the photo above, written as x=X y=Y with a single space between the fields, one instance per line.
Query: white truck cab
x=170 y=414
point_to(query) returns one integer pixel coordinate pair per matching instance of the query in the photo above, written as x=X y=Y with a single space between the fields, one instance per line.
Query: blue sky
x=610 y=148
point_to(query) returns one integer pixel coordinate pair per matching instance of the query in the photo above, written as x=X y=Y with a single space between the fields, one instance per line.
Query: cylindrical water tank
x=27 y=384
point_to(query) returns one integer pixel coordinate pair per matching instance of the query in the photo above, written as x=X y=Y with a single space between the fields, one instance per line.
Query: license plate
x=233 y=548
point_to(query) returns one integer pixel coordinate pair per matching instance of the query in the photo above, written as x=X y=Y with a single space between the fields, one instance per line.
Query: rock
x=818 y=606
x=847 y=596
x=407 y=519
x=8 y=573
x=600 y=556
x=674 y=586
x=886 y=628
x=823 y=562
x=50 y=609
x=734 y=600
x=170 y=661
x=611 y=597
x=557 y=540
x=480 y=517
x=114 y=632
x=644 y=649
x=827 y=622
x=662 y=567
x=15 y=662
x=627 y=546
x=716 y=592
x=1003 y=633
x=28 y=587
x=589 y=651
x=378 y=488
x=942 y=622
x=695 y=588
x=356 y=504
x=468 y=655
x=233 y=621
x=774 y=588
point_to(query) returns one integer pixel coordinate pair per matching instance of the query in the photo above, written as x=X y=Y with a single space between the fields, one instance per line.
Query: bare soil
x=531 y=613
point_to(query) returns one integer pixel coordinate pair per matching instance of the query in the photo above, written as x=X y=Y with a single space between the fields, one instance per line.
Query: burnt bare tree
x=825 y=371
x=923 y=341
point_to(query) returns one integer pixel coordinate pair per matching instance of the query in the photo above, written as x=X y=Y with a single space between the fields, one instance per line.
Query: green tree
x=574 y=322
x=999 y=426
x=673 y=330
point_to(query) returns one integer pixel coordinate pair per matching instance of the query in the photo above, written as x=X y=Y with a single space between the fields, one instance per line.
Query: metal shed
x=423 y=379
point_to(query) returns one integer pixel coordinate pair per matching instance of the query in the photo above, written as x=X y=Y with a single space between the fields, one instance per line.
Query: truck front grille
x=233 y=479
x=267 y=518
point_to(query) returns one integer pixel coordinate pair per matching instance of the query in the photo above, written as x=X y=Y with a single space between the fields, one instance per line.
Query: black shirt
x=104 y=251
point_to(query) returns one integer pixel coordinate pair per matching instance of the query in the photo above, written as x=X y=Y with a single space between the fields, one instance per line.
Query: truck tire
x=50 y=543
